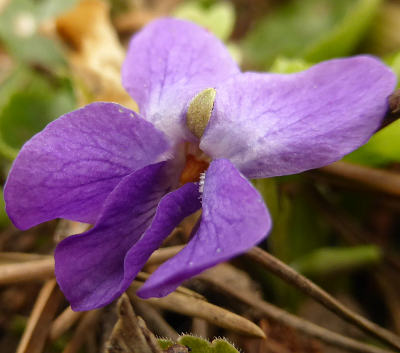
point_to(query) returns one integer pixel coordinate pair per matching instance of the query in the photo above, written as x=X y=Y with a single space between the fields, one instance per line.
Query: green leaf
x=222 y=346
x=283 y=65
x=50 y=8
x=19 y=24
x=345 y=36
x=394 y=62
x=165 y=343
x=200 y=345
x=268 y=188
x=219 y=18
x=196 y=344
x=24 y=115
x=304 y=224
x=4 y=220
x=326 y=261
x=383 y=35
x=383 y=148
x=311 y=29
x=28 y=103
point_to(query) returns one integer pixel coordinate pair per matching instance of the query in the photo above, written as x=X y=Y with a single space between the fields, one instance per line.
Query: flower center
x=196 y=164
x=197 y=118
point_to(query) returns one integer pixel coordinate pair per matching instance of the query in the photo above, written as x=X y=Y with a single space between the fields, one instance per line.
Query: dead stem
x=292 y=277
x=376 y=180
x=352 y=233
x=200 y=327
x=7 y=257
x=37 y=329
x=63 y=323
x=163 y=254
x=302 y=325
x=43 y=268
x=27 y=271
x=143 y=276
x=194 y=307
x=87 y=322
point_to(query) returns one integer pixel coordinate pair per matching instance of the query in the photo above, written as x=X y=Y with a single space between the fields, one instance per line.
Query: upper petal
x=234 y=219
x=69 y=168
x=167 y=64
x=95 y=267
x=270 y=124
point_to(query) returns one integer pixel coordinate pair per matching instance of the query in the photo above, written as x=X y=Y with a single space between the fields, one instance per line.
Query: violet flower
x=135 y=177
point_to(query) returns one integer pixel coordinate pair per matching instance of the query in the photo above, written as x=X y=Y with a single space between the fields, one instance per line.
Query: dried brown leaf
x=155 y=320
x=177 y=348
x=130 y=334
x=96 y=54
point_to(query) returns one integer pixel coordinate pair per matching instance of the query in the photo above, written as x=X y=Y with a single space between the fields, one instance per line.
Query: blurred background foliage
x=58 y=55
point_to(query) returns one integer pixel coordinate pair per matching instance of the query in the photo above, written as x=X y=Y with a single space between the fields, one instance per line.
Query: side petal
x=270 y=125
x=167 y=64
x=234 y=219
x=68 y=169
x=95 y=267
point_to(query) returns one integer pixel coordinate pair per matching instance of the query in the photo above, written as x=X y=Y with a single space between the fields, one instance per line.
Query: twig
x=191 y=306
x=302 y=325
x=292 y=277
x=7 y=257
x=88 y=322
x=27 y=271
x=143 y=276
x=163 y=254
x=35 y=334
x=354 y=234
x=31 y=270
x=63 y=323
x=377 y=180
x=199 y=327
x=92 y=344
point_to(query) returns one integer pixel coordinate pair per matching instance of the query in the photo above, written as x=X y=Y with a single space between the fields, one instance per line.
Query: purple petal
x=270 y=125
x=167 y=64
x=97 y=266
x=234 y=219
x=69 y=168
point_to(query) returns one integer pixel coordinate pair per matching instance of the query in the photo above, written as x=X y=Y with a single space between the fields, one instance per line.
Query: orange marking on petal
x=193 y=168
